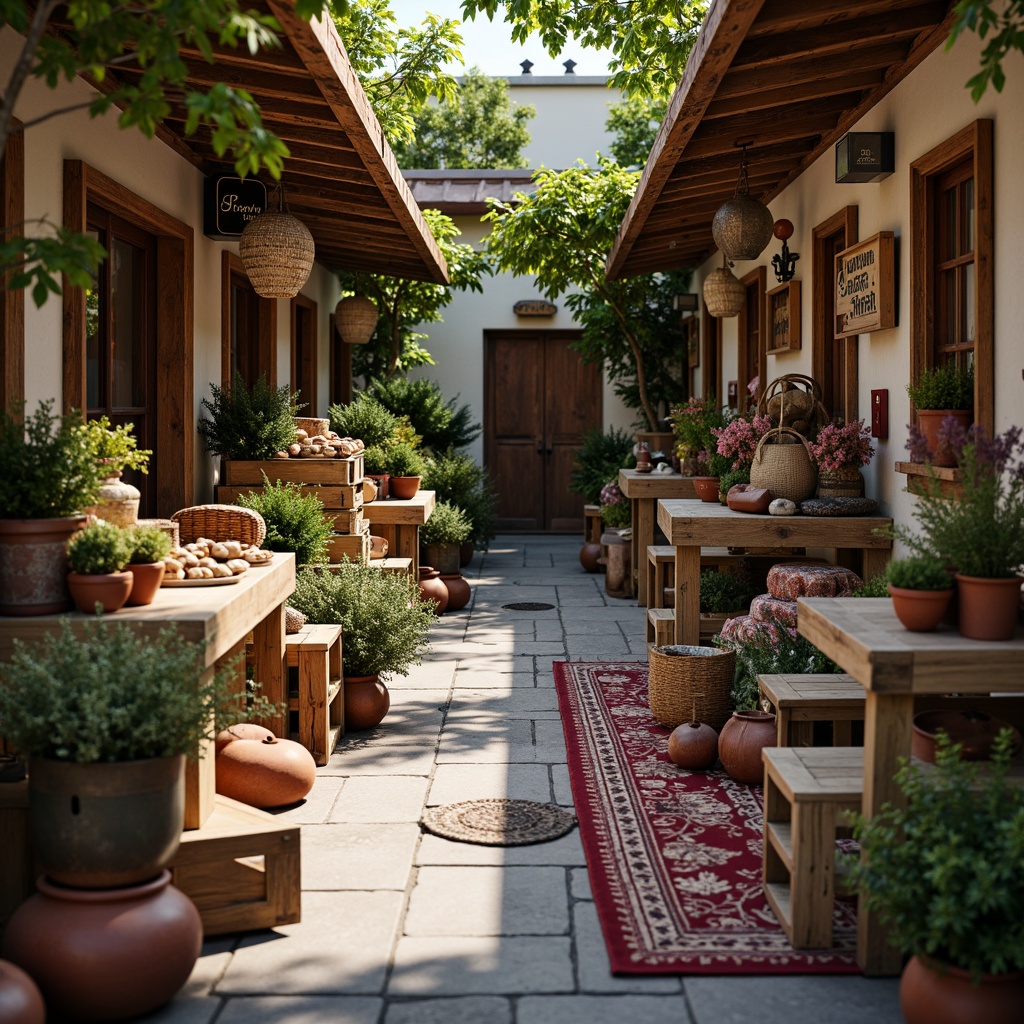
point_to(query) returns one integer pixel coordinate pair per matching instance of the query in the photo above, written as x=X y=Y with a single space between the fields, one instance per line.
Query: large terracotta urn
x=933 y=993
x=367 y=701
x=740 y=744
x=257 y=768
x=458 y=589
x=432 y=588
x=34 y=564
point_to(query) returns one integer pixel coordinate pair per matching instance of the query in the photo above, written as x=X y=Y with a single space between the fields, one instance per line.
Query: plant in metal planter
x=248 y=424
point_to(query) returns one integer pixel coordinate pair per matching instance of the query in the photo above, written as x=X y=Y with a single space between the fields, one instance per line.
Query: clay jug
x=458 y=590
x=432 y=588
x=693 y=745
x=117 y=502
x=740 y=743
x=263 y=772
x=590 y=556
x=367 y=701
x=20 y=1000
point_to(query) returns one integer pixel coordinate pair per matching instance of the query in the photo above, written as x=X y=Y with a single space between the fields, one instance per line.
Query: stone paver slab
x=579 y=884
x=302 y=1010
x=361 y=757
x=357 y=856
x=560 y=785
x=392 y=798
x=455 y=782
x=598 y=1010
x=184 y=1009
x=465 y=1010
x=317 y=806
x=566 y=851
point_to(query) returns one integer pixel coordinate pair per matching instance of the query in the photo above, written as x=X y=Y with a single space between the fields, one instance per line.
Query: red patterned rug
x=674 y=856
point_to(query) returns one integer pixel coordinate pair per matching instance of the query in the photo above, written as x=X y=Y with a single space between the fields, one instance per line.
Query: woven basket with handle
x=690 y=681
x=782 y=463
x=799 y=397
x=220 y=522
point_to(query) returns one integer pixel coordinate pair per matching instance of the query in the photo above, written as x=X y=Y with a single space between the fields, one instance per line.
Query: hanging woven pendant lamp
x=277 y=252
x=742 y=227
x=724 y=294
x=356 y=319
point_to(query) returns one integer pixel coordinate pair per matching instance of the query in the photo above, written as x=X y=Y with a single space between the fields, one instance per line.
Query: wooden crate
x=319 y=700
x=340 y=497
x=355 y=546
x=298 y=471
x=349 y=521
x=392 y=564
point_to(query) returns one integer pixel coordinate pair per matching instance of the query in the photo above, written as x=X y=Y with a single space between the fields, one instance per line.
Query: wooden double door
x=539 y=400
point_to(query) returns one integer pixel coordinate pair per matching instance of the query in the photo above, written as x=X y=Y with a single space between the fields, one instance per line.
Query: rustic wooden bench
x=801 y=700
x=320 y=702
x=806 y=792
x=661 y=626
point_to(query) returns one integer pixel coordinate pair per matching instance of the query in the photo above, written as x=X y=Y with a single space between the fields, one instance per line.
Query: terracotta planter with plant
x=941 y=393
x=921 y=590
x=442 y=535
x=150 y=546
x=405 y=469
x=97 y=557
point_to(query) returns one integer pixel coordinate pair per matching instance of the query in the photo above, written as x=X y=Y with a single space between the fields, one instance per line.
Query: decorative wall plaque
x=784 y=318
x=534 y=307
x=229 y=204
x=866 y=286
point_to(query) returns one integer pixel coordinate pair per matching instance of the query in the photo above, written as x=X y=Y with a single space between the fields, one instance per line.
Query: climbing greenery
x=248 y=424
x=295 y=521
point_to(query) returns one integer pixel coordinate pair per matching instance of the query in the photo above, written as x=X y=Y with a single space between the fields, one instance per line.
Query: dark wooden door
x=539 y=400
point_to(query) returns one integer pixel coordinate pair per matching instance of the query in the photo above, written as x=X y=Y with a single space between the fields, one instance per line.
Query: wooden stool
x=801 y=700
x=320 y=703
x=592 y=526
x=806 y=789
x=661 y=626
x=661 y=560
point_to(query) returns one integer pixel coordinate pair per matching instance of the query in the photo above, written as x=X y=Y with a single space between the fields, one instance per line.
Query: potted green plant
x=692 y=424
x=97 y=557
x=405 y=469
x=365 y=418
x=940 y=392
x=456 y=478
x=150 y=546
x=723 y=596
x=441 y=536
x=943 y=874
x=921 y=590
x=295 y=521
x=248 y=424
x=50 y=476
x=384 y=624
x=117 y=450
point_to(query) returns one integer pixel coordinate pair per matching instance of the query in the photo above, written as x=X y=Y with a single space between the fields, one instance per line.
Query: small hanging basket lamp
x=356 y=319
x=724 y=294
x=277 y=251
x=742 y=227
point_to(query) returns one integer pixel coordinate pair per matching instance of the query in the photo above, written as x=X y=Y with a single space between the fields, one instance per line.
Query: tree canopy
x=634 y=122
x=1005 y=20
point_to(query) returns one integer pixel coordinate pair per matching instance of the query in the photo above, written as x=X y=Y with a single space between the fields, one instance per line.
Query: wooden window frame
x=339 y=391
x=266 y=356
x=757 y=278
x=974 y=143
x=300 y=301
x=711 y=355
x=12 y=303
x=174 y=482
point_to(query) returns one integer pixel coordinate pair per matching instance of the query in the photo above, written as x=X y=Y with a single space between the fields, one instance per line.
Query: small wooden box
x=298 y=471
x=319 y=702
x=355 y=546
x=393 y=564
x=349 y=521
x=337 y=497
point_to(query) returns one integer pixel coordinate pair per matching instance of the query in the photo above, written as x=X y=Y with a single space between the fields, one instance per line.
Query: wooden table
x=643 y=491
x=893 y=665
x=398 y=521
x=690 y=525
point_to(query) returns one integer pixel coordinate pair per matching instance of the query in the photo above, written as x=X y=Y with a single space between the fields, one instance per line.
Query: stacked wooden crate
x=338 y=483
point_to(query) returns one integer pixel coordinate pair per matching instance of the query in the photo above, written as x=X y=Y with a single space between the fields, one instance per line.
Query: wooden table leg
x=875 y=560
x=687 y=597
x=887 y=735
x=200 y=779
x=270 y=668
x=643 y=537
x=407 y=545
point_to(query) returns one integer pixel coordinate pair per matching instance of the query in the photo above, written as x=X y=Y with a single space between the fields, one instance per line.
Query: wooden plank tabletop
x=413 y=511
x=656 y=485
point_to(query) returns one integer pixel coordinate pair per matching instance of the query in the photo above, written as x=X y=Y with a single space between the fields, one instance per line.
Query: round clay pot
x=380 y=481
x=110 y=590
x=117 y=502
x=105 y=954
x=975 y=731
x=101 y=825
x=20 y=999
x=929 y=421
x=740 y=744
x=693 y=745
x=932 y=993
x=590 y=555
x=404 y=487
x=706 y=487
x=263 y=772
x=378 y=547
x=367 y=701
x=146 y=580
x=988 y=607
x=432 y=588
x=240 y=731
x=466 y=554
x=34 y=564
x=920 y=611
x=458 y=590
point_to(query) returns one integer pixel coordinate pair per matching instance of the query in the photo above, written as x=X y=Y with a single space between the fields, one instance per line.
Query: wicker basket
x=220 y=522
x=314 y=426
x=797 y=395
x=356 y=319
x=277 y=251
x=783 y=467
x=692 y=681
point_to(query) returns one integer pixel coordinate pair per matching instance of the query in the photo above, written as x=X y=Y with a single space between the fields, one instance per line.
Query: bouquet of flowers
x=693 y=424
x=737 y=441
x=838 y=447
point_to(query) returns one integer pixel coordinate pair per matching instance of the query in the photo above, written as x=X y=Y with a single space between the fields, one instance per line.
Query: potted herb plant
x=441 y=536
x=944 y=876
x=150 y=546
x=295 y=521
x=246 y=424
x=456 y=478
x=941 y=392
x=723 y=596
x=405 y=469
x=921 y=590
x=50 y=476
x=692 y=424
x=839 y=453
x=97 y=557
x=116 y=449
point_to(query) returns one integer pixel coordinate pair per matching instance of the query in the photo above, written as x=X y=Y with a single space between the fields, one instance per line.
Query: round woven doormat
x=528 y=606
x=499 y=822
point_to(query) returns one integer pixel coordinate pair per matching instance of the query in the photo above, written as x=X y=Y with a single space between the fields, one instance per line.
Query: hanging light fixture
x=742 y=228
x=277 y=252
x=724 y=294
x=355 y=317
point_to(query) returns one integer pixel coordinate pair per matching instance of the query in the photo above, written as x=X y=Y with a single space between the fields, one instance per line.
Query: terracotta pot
x=20 y=999
x=380 y=481
x=706 y=487
x=101 y=825
x=975 y=731
x=378 y=547
x=932 y=993
x=404 y=487
x=443 y=557
x=459 y=592
x=106 y=954
x=117 y=502
x=988 y=607
x=847 y=482
x=740 y=744
x=466 y=552
x=590 y=556
x=929 y=421
x=920 y=611
x=110 y=590
x=367 y=701
x=263 y=771
x=693 y=745
x=433 y=589
x=146 y=580
x=34 y=565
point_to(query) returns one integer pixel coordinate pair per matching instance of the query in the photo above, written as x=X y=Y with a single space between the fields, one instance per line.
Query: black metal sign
x=230 y=203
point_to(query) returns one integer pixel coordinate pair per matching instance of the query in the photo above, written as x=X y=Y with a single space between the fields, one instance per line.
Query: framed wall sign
x=784 y=318
x=229 y=204
x=866 y=286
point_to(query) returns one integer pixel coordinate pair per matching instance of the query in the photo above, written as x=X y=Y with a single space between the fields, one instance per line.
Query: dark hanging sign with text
x=230 y=203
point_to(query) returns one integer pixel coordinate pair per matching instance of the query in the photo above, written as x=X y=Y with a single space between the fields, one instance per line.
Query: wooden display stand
x=319 y=703
x=399 y=522
x=592 y=527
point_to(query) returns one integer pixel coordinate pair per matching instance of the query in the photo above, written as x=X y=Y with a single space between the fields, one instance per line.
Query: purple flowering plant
x=837 y=447
x=615 y=510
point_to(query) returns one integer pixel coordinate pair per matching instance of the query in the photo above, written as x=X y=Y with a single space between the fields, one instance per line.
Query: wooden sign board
x=866 y=286
x=784 y=318
x=229 y=204
x=534 y=307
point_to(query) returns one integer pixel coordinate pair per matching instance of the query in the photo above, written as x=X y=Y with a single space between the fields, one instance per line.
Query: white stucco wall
x=928 y=107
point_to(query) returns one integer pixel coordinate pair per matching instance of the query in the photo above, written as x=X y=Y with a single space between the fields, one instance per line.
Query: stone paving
x=401 y=927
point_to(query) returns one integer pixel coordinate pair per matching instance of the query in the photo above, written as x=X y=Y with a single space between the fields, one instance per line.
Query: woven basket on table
x=784 y=467
x=696 y=681
x=314 y=426
x=220 y=522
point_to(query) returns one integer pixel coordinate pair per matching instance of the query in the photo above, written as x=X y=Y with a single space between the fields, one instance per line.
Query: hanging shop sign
x=866 y=286
x=229 y=204
x=534 y=307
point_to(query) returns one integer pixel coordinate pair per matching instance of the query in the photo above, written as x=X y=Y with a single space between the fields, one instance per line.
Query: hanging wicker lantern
x=277 y=251
x=724 y=294
x=742 y=227
x=356 y=319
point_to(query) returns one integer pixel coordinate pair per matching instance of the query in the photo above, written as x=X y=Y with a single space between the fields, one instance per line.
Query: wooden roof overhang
x=341 y=180
x=790 y=77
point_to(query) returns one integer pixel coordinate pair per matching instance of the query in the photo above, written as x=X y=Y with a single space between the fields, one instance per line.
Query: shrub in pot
x=442 y=425
x=150 y=546
x=97 y=556
x=295 y=521
x=723 y=595
x=441 y=536
x=598 y=459
x=116 y=450
x=248 y=424
x=365 y=418
x=405 y=467
x=942 y=392
x=456 y=478
x=921 y=590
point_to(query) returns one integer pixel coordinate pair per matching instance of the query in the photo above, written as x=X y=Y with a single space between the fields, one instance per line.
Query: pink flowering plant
x=615 y=510
x=838 y=447
x=693 y=423
x=737 y=441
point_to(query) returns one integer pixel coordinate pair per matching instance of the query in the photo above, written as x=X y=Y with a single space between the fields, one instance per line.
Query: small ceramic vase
x=740 y=744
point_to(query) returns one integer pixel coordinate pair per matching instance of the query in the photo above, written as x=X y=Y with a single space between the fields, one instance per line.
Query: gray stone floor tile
x=380 y=798
x=565 y=851
x=433 y=674
x=302 y=1010
x=184 y=1009
x=358 y=755
x=512 y=699
x=561 y=785
x=212 y=963
x=357 y=856
x=481 y=676
x=455 y=782
x=465 y=1010
x=539 y=647
x=607 y=1010
x=579 y=884
x=317 y=806
x=504 y=965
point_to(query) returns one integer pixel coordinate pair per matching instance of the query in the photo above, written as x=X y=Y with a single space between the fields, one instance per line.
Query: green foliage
x=441 y=424
x=246 y=424
x=106 y=693
x=598 y=459
x=730 y=479
x=717 y=465
x=693 y=422
x=634 y=122
x=944 y=387
x=477 y=126
x=404 y=460
x=455 y=478
x=1006 y=22
x=149 y=544
x=39 y=262
x=944 y=874
x=384 y=620
x=877 y=586
x=46 y=464
x=919 y=572
x=100 y=548
x=617 y=514
x=447 y=524
x=116 y=447
x=722 y=592
x=375 y=459
x=365 y=418
x=295 y=522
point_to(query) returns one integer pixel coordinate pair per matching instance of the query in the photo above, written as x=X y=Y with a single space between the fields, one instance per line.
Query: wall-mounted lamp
x=688 y=302
x=865 y=156
x=742 y=226
x=784 y=262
